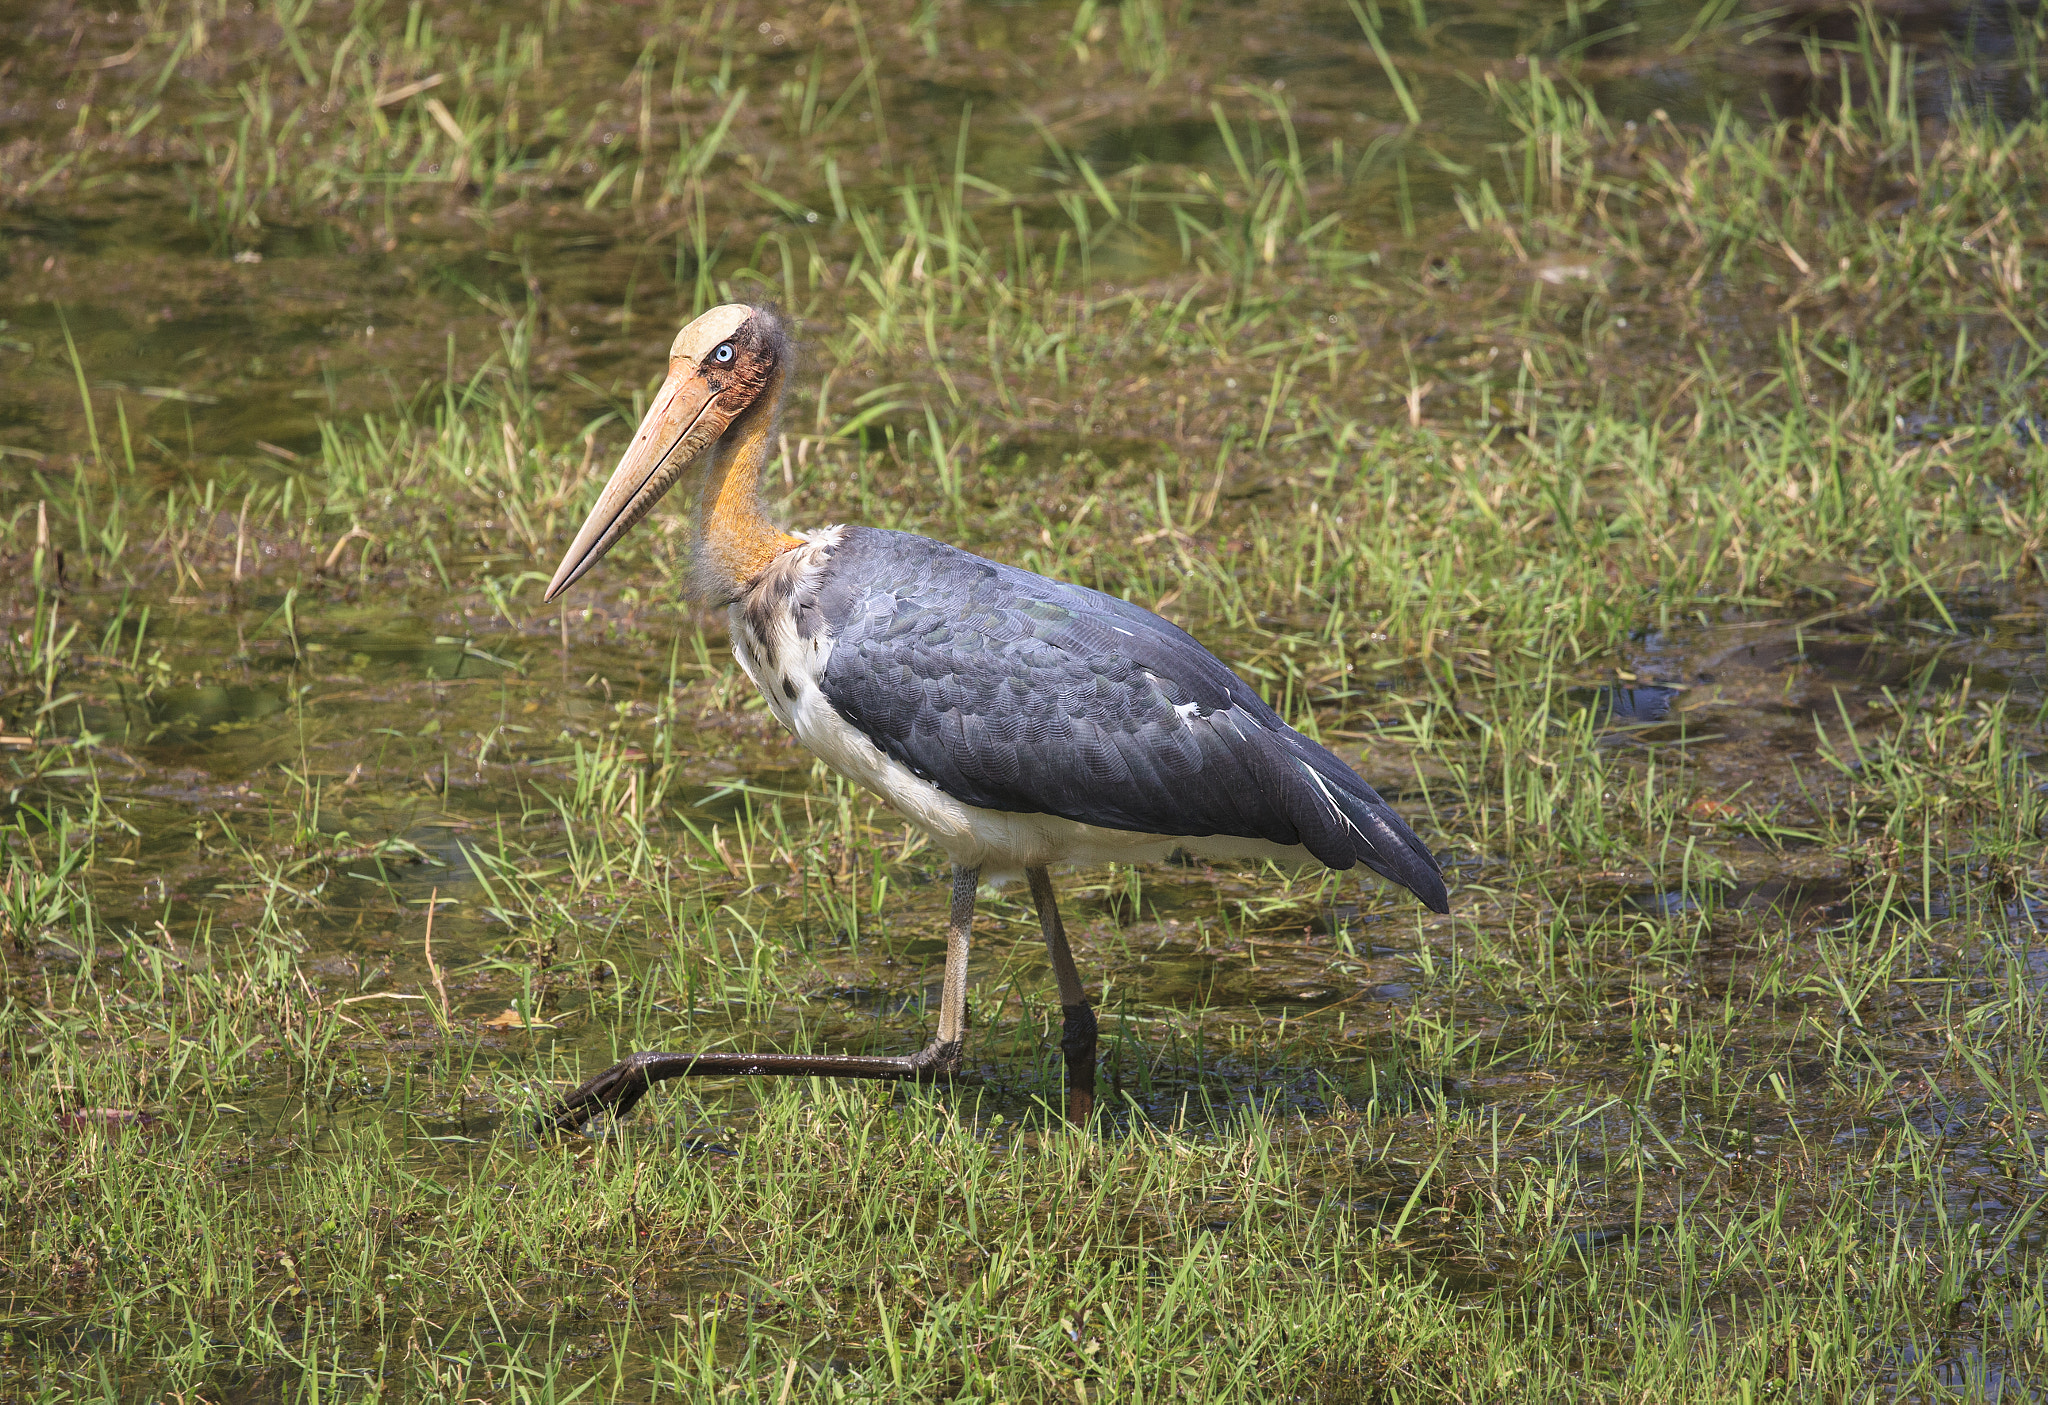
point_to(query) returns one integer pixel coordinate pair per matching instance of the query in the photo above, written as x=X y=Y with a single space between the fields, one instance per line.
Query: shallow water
x=378 y=760
x=388 y=724
x=429 y=727
x=221 y=343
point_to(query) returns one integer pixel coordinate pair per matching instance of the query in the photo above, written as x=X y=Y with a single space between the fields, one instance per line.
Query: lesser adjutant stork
x=1019 y=721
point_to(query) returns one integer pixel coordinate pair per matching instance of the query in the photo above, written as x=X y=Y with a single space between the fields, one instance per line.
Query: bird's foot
x=614 y=1091
x=619 y=1087
x=936 y=1060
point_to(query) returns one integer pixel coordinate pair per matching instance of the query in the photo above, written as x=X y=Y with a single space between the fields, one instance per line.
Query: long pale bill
x=680 y=424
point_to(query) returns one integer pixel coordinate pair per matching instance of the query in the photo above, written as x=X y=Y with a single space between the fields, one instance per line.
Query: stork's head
x=727 y=362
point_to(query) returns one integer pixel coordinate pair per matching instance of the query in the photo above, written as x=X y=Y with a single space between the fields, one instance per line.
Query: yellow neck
x=735 y=539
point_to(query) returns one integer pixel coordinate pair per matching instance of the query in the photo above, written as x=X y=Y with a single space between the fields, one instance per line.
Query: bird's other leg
x=622 y=1085
x=1077 y=1020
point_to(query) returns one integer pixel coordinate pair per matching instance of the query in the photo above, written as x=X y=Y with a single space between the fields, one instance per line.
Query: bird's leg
x=1077 y=1021
x=945 y=1050
x=622 y=1085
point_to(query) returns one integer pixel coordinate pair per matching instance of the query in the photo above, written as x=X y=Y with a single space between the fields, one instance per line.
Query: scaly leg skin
x=1077 y=1020
x=619 y=1087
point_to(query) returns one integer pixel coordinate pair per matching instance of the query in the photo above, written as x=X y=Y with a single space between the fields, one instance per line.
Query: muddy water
x=429 y=727
x=221 y=343
x=427 y=750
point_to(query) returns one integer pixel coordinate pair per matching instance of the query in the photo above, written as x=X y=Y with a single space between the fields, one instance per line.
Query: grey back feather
x=1014 y=692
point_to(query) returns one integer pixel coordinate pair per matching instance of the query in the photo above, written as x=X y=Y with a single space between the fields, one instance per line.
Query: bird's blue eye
x=723 y=354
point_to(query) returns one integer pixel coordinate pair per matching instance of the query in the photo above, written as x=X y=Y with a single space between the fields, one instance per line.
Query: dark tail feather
x=1392 y=850
x=1378 y=838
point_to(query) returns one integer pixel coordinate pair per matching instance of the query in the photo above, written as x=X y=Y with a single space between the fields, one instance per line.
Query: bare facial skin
x=718 y=367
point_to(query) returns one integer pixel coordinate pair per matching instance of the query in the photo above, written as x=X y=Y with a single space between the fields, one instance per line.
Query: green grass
x=1442 y=402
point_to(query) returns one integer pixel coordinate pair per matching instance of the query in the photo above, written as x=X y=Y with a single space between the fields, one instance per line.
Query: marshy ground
x=1619 y=430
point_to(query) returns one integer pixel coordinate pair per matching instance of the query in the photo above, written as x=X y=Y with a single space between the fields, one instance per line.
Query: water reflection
x=1788 y=897
x=211 y=706
x=1638 y=703
x=1816 y=56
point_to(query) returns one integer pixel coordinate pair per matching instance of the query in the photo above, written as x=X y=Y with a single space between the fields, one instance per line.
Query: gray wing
x=1014 y=692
